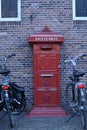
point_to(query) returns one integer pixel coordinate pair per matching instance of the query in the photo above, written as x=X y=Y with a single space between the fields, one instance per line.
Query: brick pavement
x=49 y=123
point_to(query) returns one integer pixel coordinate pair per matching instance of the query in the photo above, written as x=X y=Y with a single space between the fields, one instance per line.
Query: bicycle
x=76 y=91
x=12 y=97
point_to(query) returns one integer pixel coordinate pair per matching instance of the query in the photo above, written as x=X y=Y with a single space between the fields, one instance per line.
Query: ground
x=21 y=122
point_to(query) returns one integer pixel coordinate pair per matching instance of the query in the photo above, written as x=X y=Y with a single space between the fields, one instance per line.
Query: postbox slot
x=46 y=89
x=46 y=75
x=46 y=47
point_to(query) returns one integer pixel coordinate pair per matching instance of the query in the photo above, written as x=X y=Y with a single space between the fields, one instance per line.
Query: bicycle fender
x=82 y=93
x=18 y=88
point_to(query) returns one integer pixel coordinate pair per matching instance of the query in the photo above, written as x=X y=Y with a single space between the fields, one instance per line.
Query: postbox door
x=47 y=90
x=47 y=75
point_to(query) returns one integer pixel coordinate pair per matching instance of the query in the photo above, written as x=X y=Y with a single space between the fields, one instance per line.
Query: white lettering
x=46 y=39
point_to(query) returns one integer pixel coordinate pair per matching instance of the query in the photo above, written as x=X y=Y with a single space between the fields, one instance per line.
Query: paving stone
x=52 y=123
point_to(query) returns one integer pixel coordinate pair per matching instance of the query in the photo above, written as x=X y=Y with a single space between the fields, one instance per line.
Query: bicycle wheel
x=82 y=111
x=18 y=109
x=7 y=105
x=83 y=117
x=70 y=98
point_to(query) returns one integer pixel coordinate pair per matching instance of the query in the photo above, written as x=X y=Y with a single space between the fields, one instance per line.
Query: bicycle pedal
x=0 y=101
x=4 y=109
x=81 y=108
x=72 y=104
x=17 y=101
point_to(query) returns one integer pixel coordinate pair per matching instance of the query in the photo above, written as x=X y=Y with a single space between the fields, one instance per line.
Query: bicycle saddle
x=4 y=72
x=79 y=73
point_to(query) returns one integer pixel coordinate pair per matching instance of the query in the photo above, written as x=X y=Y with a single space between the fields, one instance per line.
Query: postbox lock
x=47 y=98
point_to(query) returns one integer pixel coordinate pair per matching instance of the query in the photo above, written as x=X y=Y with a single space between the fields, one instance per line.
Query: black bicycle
x=12 y=97
x=76 y=91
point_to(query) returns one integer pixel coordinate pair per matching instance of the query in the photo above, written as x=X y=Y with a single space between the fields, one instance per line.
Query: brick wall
x=57 y=15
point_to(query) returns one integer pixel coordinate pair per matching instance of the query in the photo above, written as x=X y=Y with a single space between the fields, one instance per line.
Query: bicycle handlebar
x=5 y=59
x=73 y=60
x=9 y=56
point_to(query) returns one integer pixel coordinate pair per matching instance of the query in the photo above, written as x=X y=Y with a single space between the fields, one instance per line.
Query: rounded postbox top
x=45 y=36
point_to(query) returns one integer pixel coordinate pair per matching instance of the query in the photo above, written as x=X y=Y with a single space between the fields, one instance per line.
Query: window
x=79 y=9
x=10 y=10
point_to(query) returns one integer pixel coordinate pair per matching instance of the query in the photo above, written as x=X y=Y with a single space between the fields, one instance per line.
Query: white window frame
x=18 y=18
x=74 y=12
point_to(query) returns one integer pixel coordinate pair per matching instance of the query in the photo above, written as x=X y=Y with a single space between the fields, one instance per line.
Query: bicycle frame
x=78 y=97
x=12 y=96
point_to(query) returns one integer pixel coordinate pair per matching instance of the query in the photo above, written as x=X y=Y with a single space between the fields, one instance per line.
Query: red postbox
x=46 y=71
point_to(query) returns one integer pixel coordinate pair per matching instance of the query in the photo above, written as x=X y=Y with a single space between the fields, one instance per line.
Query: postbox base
x=47 y=112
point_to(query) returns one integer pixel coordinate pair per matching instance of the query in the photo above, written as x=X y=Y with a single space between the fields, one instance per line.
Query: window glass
x=81 y=8
x=9 y=8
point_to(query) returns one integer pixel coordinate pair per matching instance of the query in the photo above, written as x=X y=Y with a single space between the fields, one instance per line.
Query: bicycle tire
x=7 y=104
x=83 y=117
x=82 y=111
x=70 y=98
x=1 y=105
